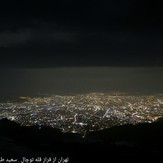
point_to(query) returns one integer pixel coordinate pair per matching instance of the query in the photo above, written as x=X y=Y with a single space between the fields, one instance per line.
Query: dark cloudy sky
x=81 y=33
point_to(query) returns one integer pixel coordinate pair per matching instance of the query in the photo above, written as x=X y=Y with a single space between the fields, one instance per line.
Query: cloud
x=12 y=39
x=69 y=39
x=36 y=36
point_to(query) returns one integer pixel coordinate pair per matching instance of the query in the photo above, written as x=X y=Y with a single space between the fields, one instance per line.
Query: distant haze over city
x=17 y=82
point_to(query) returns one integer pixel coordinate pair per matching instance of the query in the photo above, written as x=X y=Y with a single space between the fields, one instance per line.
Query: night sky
x=81 y=33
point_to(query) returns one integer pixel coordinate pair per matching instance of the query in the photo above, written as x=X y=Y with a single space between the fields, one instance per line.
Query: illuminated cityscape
x=84 y=112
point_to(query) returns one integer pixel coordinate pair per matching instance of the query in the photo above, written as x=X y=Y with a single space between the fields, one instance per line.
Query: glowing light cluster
x=84 y=112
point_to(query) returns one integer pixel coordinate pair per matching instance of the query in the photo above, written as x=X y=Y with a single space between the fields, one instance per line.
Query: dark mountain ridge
x=128 y=140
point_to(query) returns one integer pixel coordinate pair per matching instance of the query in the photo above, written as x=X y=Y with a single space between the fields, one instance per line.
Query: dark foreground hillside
x=128 y=142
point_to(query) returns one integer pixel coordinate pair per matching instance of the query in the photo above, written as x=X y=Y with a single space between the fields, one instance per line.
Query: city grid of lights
x=84 y=112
